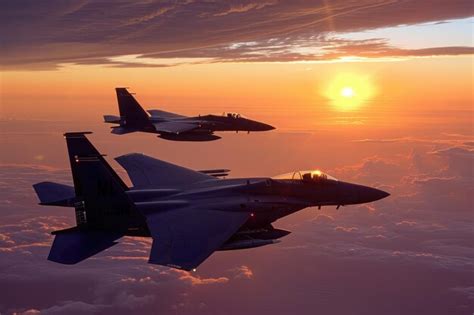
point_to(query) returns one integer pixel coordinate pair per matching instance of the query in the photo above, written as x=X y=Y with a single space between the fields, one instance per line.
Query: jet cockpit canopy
x=306 y=176
x=232 y=115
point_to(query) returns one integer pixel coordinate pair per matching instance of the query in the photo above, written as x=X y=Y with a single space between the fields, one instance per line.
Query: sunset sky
x=378 y=92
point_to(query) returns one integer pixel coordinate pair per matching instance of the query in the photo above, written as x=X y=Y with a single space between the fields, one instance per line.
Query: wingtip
x=76 y=133
x=129 y=154
x=124 y=157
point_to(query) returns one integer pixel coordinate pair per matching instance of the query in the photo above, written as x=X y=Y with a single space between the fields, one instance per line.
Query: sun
x=349 y=91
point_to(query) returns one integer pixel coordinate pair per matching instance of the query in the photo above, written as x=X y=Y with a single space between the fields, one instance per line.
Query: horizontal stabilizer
x=112 y=119
x=145 y=171
x=54 y=194
x=184 y=238
x=74 y=245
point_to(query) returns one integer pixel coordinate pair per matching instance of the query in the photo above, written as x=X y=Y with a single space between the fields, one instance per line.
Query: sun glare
x=348 y=92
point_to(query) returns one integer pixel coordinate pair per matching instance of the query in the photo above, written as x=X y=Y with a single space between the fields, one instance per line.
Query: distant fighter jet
x=175 y=127
x=189 y=214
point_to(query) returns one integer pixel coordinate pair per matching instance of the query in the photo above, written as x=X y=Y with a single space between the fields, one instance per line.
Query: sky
x=376 y=92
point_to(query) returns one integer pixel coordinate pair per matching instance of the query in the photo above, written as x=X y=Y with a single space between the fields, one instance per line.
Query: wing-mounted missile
x=216 y=172
x=189 y=137
x=254 y=238
x=247 y=243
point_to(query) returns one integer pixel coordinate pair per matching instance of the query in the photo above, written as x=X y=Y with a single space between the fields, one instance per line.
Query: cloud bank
x=411 y=253
x=44 y=34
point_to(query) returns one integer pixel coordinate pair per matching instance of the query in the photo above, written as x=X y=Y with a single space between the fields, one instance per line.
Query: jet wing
x=162 y=114
x=175 y=127
x=184 y=238
x=72 y=245
x=145 y=171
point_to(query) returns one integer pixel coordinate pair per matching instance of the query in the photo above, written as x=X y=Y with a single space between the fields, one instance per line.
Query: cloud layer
x=411 y=253
x=46 y=34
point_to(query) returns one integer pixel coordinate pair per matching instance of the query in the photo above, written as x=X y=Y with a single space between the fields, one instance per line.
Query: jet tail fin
x=104 y=212
x=102 y=202
x=131 y=113
x=74 y=245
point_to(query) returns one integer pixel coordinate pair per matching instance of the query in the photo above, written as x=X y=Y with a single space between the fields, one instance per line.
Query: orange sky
x=288 y=95
x=375 y=92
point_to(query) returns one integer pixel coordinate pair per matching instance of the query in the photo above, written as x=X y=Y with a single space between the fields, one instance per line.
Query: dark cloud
x=42 y=35
x=68 y=307
x=300 y=48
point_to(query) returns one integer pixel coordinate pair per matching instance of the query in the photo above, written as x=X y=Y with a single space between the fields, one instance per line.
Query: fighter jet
x=188 y=214
x=171 y=126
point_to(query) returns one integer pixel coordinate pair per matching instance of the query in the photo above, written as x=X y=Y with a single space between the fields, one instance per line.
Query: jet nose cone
x=267 y=127
x=369 y=194
x=258 y=126
x=253 y=125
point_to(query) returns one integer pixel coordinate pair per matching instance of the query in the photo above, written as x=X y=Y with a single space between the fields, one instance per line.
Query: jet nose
x=258 y=126
x=266 y=127
x=369 y=194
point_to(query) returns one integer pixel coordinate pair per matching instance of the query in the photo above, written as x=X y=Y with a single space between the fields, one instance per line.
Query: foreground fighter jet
x=176 y=127
x=189 y=214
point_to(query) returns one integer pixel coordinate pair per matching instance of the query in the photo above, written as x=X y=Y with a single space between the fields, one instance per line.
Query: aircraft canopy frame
x=306 y=175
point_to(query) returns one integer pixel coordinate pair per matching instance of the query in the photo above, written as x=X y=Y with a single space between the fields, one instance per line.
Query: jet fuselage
x=189 y=214
x=267 y=199
x=176 y=127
